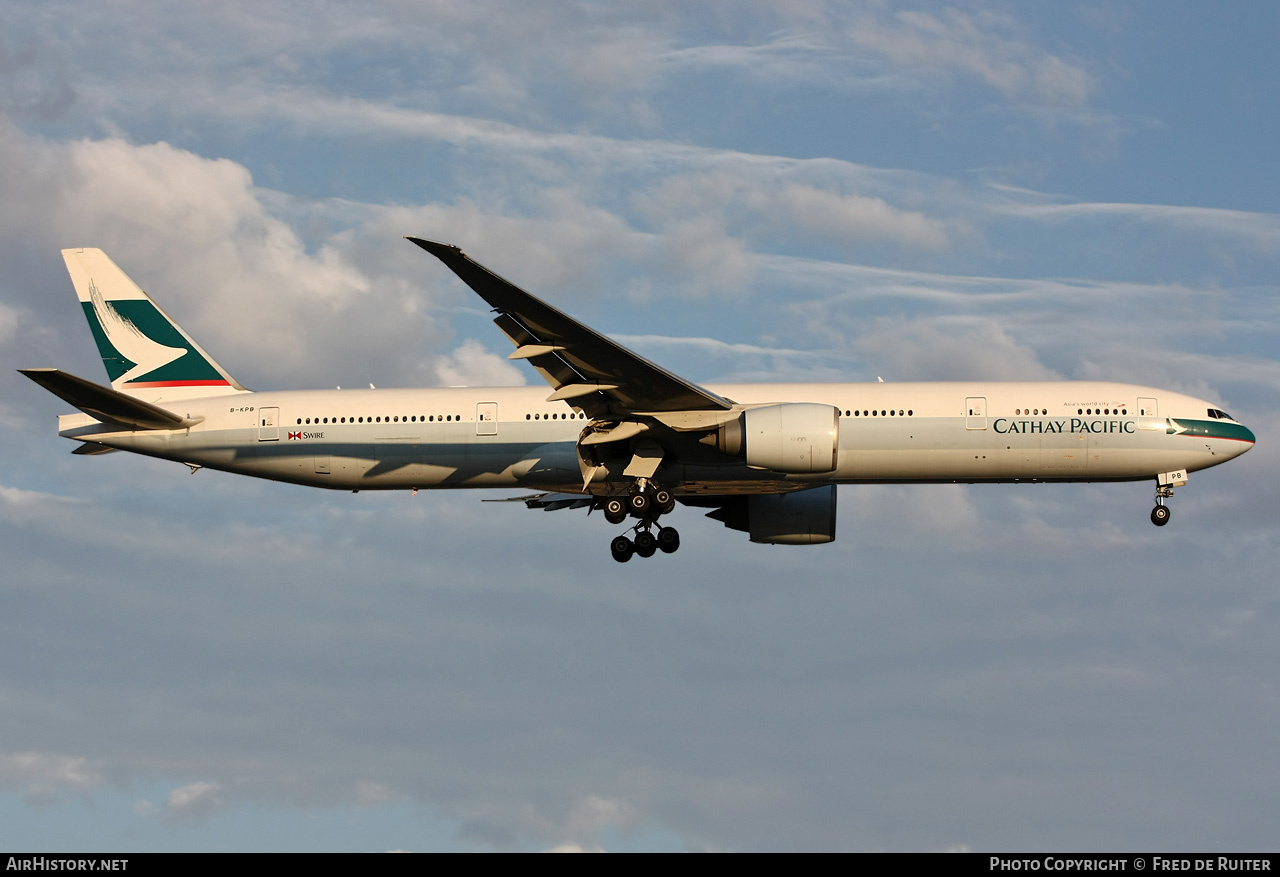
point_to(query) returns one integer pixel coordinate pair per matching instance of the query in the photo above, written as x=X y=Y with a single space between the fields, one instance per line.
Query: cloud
x=472 y=365
x=574 y=848
x=770 y=205
x=34 y=84
x=46 y=769
x=552 y=64
x=25 y=508
x=10 y=319
x=856 y=218
x=935 y=349
x=1260 y=230
x=714 y=346
x=709 y=259
x=715 y=360
x=207 y=244
x=498 y=57
x=984 y=46
x=595 y=812
x=192 y=230
x=371 y=794
x=194 y=801
x=785 y=59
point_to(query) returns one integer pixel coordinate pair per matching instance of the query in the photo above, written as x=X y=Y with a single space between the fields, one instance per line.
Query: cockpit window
x=1218 y=414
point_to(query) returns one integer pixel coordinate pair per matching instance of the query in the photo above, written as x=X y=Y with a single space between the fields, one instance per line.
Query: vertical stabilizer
x=145 y=352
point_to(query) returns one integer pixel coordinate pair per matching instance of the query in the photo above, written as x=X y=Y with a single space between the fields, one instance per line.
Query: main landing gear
x=646 y=503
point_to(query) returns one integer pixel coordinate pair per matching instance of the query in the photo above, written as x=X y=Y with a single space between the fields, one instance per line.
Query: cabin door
x=268 y=424
x=975 y=412
x=487 y=418
x=1148 y=413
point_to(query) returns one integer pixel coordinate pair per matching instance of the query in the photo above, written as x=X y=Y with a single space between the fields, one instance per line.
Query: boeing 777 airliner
x=617 y=432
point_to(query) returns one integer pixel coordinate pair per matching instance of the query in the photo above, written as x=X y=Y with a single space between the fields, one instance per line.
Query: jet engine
x=806 y=517
x=793 y=437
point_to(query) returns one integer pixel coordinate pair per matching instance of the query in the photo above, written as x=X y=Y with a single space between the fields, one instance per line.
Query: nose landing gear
x=1165 y=484
x=1160 y=514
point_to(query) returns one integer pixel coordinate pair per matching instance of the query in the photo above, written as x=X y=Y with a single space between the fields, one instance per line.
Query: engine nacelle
x=806 y=517
x=793 y=437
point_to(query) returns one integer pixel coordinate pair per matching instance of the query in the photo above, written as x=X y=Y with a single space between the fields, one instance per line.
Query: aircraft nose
x=1244 y=438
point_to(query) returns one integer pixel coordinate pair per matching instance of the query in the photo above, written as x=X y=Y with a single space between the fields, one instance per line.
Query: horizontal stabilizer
x=550 y=502
x=93 y=449
x=107 y=404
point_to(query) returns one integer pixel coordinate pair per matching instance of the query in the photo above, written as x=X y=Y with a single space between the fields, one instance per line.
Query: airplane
x=617 y=433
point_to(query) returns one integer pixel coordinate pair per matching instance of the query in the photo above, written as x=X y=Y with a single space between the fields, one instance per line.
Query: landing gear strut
x=1160 y=514
x=1165 y=483
x=646 y=503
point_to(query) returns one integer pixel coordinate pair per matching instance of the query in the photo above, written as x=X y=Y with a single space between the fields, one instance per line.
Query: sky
x=831 y=191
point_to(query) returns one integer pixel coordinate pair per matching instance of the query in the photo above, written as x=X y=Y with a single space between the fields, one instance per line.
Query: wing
x=582 y=366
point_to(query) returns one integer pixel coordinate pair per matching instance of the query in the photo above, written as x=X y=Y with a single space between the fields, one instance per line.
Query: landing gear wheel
x=639 y=503
x=646 y=544
x=621 y=548
x=1160 y=515
x=615 y=510
x=663 y=501
x=668 y=540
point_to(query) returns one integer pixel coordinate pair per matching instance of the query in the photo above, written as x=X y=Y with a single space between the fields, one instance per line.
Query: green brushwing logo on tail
x=141 y=347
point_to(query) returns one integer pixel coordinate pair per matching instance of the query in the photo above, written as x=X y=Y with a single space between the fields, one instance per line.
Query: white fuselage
x=509 y=437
